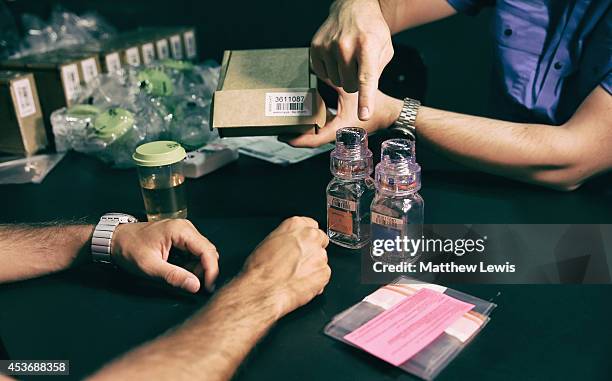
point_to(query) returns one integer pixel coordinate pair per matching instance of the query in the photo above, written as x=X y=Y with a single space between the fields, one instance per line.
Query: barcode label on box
x=113 y=63
x=190 y=44
x=72 y=82
x=162 y=49
x=296 y=103
x=25 y=99
x=90 y=69
x=148 y=53
x=132 y=57
x=177 y=47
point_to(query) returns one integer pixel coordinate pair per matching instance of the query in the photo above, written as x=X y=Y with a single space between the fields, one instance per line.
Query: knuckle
x=173 y=277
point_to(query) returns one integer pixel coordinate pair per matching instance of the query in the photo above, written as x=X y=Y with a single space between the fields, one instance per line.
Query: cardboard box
x=58 y=77
x=267 y=92
x=21 y=121
x=143 y=45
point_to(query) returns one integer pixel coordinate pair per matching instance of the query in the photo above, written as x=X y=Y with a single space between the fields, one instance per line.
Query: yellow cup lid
x=155 y=154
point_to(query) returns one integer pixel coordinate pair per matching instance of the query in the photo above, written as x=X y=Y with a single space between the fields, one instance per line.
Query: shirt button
x=558 y=65
x=508 y=32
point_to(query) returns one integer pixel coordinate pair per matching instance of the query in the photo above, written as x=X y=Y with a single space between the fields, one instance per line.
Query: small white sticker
x=148 y=53
x=90 y=69
x=340 y=203
x=190 y=44
x=296 y=103
x=177 y=47
x=391 y=222
x=25 y=99
x=162 y=49
x=72 y=82
x=132 y=57
x=113 y=63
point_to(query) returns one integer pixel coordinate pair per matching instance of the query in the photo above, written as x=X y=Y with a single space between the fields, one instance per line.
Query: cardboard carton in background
x=267 y=92
x=58 y=76
x=21 y=120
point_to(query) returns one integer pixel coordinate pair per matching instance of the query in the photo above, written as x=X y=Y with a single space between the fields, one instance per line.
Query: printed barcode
x=24 y=97
x=290 y=106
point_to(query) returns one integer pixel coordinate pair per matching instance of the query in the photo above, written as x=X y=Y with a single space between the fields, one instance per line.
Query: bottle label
x=385 y=227
x=24 y=97
x=390 y=222
x=340 y=203
x=340 y=213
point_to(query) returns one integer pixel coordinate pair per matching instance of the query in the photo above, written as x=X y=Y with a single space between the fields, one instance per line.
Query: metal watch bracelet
x=405 y=124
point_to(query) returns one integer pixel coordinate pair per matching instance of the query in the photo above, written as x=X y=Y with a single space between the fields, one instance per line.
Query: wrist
x=388 y=110
x=267 y=292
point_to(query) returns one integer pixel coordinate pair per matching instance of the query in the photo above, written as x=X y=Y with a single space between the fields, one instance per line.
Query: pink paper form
x=402 y=331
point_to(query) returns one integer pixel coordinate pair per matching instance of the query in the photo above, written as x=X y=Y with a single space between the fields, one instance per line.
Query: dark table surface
x=91 y=314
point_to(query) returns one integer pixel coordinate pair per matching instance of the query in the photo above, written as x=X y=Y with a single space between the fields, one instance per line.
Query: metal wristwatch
x=103 y=235
x=405 y=125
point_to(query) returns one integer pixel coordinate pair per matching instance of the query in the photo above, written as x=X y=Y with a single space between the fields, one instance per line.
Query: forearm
x=405 y=14
x=536 y=153
x=29 y=251
x=210 y=346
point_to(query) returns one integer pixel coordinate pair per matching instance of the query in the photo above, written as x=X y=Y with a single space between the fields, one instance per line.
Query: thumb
x=325 y=134
x=173 y=275
x=368 y=84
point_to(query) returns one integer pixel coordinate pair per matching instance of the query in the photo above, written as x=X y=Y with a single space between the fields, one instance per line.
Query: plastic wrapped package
x=110 y=134
x=166 y=102
x=432 y=359
x=62 y=30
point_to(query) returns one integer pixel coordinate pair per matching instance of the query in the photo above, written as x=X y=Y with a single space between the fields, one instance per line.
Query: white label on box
x=90 y=69
x=162 y=49
x=190 y=44
x=148 y=53
x=177 y=47
x=72 y=82
x=113 y=63
x=132 y=57
x=25 y=99
x=295 y=103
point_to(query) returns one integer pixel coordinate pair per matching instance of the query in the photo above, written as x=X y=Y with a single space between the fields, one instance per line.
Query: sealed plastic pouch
x=435 y=356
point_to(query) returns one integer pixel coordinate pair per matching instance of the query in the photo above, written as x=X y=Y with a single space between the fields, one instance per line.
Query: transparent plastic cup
x=162 y=181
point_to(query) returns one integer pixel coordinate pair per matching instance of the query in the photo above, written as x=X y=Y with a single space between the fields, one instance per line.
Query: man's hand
x=352 y=48
x=386 y=114
x=290 y=265
x=144 y=248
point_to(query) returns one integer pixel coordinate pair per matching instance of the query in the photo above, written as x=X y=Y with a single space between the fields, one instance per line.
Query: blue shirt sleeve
x=470 y=7
x=606 y=83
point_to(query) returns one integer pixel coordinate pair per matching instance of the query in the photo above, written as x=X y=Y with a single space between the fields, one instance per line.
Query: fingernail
x=211 y=289
x=364 y=112
x=191 y=285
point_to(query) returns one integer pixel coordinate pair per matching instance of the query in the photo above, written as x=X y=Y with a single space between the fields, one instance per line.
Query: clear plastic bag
x=432 y=359
x=166 y=101
x=31 y=169
x=62 y=30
